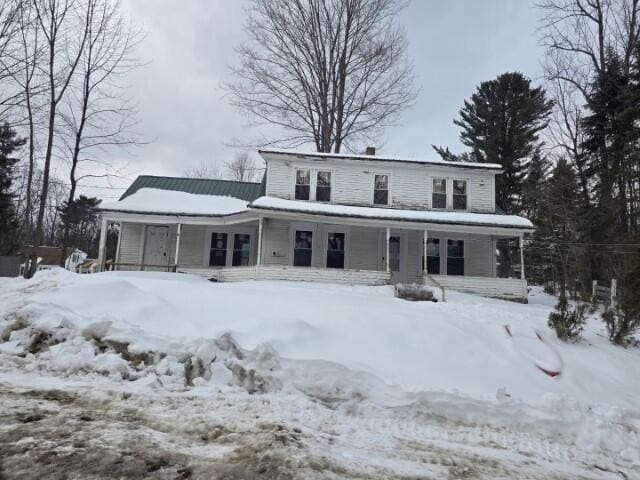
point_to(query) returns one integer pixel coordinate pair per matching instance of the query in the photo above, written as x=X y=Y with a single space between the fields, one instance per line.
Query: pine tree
x=80 y=216
x=501 y=124
x=9 y=235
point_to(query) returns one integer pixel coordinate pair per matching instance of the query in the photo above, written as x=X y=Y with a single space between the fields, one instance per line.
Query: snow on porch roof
x=375 y=158
x=376 y=213
x=168 y=202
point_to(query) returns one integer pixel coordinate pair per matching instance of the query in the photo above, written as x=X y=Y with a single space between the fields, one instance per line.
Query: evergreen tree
x=501 y=124
x=80 y=217
x=9 y=235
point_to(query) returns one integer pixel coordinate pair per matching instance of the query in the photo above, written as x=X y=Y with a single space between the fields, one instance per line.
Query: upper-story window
x=381 y=190
x=323 y=187
x=303 y=184
x=459 y=194
x=439 y=195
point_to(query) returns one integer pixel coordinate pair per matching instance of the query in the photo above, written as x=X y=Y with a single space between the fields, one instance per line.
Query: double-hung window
x=439 y=194
x=303 y=185
x=323 y=187
x=335 y=249
x=455 y=257
x=241 y=249
x=381 y=189
x=218 y=251
x=459 y=194
x=433 y=256
x=302 y=248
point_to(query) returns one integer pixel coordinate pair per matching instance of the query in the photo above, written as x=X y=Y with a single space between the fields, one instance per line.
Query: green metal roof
x=248 y=191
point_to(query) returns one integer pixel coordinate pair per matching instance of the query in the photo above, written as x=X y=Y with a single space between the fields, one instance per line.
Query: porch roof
x=393 y=214
x=152 y=201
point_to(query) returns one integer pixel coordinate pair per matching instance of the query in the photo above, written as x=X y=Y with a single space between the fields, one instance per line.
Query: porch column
x=522 y=256
x=386 y=258
x=178 y=244
x=259 y=241
x=102 y=245
x=425 y=269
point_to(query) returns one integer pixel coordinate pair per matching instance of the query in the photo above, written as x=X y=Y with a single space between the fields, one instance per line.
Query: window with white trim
x=459 y=194
x=433 y=256
x=455 y=257
x=241 y=250
x=218 y=251
x=303 y=185
x=335 y=249
x=323 y=186
x=381 y=189
x=439 y=194
x=302 y=248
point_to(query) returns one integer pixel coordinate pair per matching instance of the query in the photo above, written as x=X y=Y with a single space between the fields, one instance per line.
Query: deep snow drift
x=385 y=368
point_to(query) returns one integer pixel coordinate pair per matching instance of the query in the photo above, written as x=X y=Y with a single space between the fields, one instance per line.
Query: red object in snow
x=546 y=371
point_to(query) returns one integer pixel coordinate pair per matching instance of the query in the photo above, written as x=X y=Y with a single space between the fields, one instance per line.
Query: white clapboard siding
x=298 y=274
x=509 y=288
x=192 y=246
x=411 y=185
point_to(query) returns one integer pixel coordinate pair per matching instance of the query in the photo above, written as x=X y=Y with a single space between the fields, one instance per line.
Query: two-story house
x=340 y=218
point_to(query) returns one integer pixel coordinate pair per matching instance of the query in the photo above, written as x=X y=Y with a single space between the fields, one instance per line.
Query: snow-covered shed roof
x=392 y=214
x=376 y=158
x=169 y=202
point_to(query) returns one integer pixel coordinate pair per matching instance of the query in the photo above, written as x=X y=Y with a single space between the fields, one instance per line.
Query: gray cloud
x=190 y=44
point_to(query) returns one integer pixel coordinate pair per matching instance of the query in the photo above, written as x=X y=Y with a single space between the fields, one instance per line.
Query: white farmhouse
x=340 y=218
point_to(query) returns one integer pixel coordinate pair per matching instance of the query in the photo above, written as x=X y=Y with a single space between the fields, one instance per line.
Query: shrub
x=567 y=321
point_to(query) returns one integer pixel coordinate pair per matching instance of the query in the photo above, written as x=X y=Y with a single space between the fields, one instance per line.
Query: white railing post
x=259 y=241
x=593 y=290
x=387 y=264
x=614 y=291
x=522 y=256
x=102 y=245
x=178 y=233
x=425 y=268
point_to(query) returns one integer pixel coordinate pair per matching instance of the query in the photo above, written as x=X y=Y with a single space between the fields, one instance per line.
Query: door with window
x=397 y=256
x=455 y=257
x=302 y=248
x=156 y=248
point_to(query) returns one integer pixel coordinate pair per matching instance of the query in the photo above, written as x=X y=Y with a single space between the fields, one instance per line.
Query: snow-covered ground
x=169 y=376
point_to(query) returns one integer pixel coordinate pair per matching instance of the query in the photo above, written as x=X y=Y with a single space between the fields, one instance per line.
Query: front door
x=397 y=256
x=155 y=247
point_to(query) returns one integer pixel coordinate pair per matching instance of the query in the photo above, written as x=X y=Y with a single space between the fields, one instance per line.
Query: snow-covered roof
x=377 y=158
x=378 y=213
x=157 y=201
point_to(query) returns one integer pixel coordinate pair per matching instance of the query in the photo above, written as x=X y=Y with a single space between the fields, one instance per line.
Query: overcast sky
x=189 y=45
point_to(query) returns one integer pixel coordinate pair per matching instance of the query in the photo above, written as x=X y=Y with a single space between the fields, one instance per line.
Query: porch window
x=439 y=195
x=218 y=252
x=381 y=190
x=459 y=194
x=323 y=187
x=433 y=256
x=303 y=184
x=302 y=249
x=241 y=250
x=335 y=250
x=455 y=257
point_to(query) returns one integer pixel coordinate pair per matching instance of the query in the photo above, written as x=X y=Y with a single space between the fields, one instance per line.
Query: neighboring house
x=355 y=219
x=49 y=257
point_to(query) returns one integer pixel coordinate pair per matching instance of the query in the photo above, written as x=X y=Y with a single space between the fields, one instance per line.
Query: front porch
x=347 y=251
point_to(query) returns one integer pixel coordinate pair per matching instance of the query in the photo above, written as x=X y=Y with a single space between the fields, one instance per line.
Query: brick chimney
x=371 y=151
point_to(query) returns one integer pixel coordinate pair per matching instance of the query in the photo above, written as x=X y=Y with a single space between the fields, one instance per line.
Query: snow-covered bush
x=623 y=320
x=567 y=320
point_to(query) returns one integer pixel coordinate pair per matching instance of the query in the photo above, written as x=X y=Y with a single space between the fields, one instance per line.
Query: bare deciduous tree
x=202 y=170
x=243 y=168
x=329 y=72
x=97 y=116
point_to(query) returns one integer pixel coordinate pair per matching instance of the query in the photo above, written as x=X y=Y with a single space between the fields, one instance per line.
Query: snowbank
x=459 y=347
x=153 y=200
